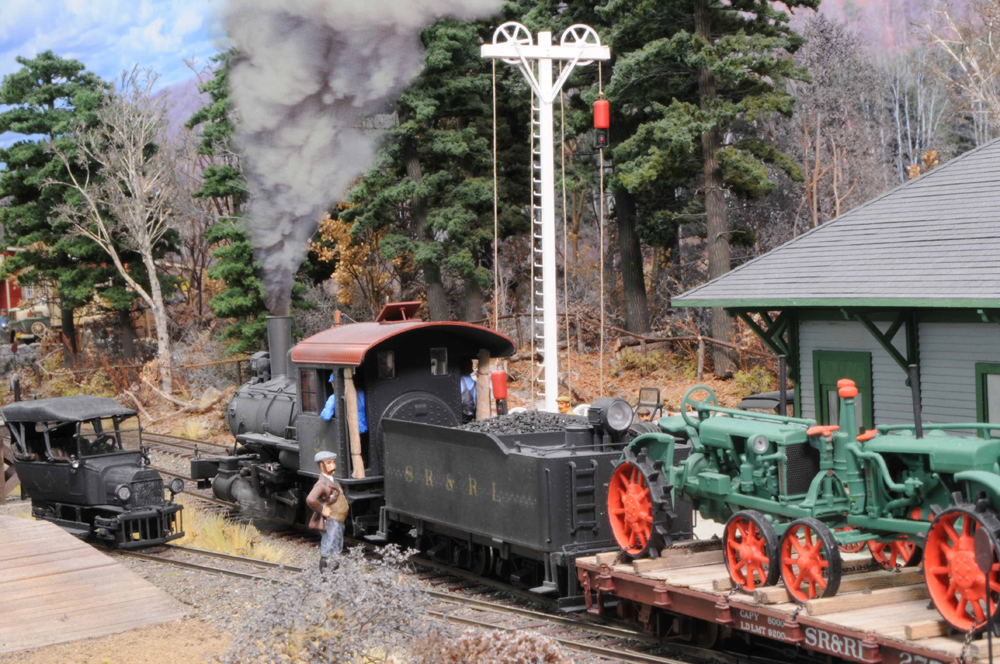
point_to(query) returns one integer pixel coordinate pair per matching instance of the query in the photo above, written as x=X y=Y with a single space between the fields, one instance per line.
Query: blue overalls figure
x=330 y=409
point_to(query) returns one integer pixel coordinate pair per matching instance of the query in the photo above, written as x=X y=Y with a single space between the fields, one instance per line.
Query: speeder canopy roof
x=79 y=408
x=348 y=344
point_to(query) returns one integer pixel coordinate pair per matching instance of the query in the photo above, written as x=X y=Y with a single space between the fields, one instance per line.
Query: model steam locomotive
x=78 y=475
x=521 y=505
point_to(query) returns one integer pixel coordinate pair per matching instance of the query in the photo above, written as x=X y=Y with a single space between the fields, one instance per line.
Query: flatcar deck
x=877 y=617
x=56 y=588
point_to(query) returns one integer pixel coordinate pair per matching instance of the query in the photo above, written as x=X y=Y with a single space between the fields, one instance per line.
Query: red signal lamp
x=602 y=114
x=602 y=120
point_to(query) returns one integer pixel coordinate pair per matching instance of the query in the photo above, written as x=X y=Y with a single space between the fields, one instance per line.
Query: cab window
x=310 y=391
x=439 y=361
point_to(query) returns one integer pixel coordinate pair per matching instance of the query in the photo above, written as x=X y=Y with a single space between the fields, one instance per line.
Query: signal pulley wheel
x=639 y=505
x=956 y=584
x=751 y=550
x=810 y=560
x=893 y=555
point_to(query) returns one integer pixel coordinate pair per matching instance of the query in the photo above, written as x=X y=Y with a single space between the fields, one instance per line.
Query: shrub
x=367 y=611
x=644 y=363
x=753 y=381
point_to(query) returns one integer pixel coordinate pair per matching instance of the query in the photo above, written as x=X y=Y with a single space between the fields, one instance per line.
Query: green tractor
x=794 y=494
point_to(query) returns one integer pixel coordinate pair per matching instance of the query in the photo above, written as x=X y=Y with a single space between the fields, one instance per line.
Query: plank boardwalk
x=876 y=607
x=55 y=588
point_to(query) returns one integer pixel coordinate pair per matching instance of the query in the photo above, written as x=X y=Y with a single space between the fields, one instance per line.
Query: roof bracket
x=904 y=317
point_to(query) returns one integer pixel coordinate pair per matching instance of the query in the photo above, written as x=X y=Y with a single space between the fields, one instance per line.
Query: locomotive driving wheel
x=639 y=505
x=893 y=555
x=751 y=550
x=810 y=560
x=956 y=584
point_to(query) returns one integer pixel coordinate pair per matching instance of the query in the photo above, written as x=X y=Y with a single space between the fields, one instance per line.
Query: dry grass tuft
x=204 y=529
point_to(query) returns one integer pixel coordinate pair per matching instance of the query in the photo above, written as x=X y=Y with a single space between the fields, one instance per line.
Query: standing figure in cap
x=329 y=506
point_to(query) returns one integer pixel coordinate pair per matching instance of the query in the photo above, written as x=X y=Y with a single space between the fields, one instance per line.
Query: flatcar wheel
x=751 y=550
x=851 y=548
x=893 y=555
x=810 y=560
x=957 y=586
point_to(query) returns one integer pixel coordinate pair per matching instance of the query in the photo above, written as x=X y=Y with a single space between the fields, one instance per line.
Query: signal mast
x=579 y=45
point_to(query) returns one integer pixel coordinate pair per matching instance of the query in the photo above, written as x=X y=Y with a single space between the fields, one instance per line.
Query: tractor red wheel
x=850 y=548
x=810 y=560
x=751 y=549
x=956 y=584
x=893 y=555
x=630 y=507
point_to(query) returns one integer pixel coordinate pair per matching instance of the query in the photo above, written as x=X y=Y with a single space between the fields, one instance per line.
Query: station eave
x=836 y=303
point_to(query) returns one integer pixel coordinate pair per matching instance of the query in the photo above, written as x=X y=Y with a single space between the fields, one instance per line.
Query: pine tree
x=47 y=97
x=242 y=299
x=689 y=72
x=432 y=185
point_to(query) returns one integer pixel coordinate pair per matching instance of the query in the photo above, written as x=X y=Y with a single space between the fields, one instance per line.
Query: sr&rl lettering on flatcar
x=387 y=398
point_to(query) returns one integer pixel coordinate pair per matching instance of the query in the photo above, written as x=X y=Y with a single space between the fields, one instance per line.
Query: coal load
x=529 y=421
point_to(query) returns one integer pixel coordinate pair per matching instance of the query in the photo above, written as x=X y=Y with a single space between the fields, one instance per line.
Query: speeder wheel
x=893 y=555
x=850 y=548
x=810 y=560
x=956 y=584
x=751 y=550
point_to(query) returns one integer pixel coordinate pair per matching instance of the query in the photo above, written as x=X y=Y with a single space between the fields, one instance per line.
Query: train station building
x=909 y=278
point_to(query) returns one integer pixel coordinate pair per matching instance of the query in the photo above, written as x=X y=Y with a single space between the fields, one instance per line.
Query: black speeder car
x=70 y=460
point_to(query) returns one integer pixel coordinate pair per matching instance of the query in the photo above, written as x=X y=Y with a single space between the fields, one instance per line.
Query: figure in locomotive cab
x=468 y=391
x=329 y=506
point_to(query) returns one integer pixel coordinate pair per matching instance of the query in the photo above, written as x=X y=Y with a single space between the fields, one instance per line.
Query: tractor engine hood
x=946 y=454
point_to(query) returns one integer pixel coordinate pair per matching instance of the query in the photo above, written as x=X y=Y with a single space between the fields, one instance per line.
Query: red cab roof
x=347 y=345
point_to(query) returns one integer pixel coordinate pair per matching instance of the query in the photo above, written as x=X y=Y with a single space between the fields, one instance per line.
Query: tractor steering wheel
x=697 y=404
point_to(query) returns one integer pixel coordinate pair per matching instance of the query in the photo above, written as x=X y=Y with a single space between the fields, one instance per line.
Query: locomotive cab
x=333 y=391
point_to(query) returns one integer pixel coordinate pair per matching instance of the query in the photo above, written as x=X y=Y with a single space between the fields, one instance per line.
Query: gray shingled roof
x=932 y=242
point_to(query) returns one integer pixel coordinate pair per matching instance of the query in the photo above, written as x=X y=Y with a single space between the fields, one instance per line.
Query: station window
x=386 y=365
x=310 y=391
x=439 y=361
x=988 y=393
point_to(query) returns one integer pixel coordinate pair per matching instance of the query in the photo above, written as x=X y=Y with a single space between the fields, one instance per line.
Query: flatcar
x=386 y=397
x=69 y=457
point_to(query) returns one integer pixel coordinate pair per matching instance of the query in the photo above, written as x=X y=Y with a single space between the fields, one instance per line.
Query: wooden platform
x=56 y=588
x=877 y=617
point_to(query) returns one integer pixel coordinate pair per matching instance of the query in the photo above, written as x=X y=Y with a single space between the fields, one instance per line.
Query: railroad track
x=179 y=446
x=162 y=557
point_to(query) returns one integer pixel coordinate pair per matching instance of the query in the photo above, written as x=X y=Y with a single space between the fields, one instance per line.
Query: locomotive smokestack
x=279 y=340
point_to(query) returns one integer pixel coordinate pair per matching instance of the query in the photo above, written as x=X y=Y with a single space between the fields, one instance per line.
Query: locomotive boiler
x=386 y=397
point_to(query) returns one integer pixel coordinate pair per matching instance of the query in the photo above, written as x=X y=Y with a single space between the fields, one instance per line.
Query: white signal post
x=579 y=45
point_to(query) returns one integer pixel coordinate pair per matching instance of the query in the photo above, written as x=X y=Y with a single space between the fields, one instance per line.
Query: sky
x=111 y=35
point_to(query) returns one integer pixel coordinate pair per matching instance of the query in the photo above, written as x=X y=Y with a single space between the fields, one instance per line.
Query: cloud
x=111 y=35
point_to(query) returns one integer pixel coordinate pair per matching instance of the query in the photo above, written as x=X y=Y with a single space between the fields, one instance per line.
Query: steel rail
x=182 y=439
x=214 y=501
x=592 y=649
x=234 y=558
x=196 y=566
x=603 y=630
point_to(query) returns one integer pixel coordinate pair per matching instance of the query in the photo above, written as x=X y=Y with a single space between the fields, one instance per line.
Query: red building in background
x=10 y=292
